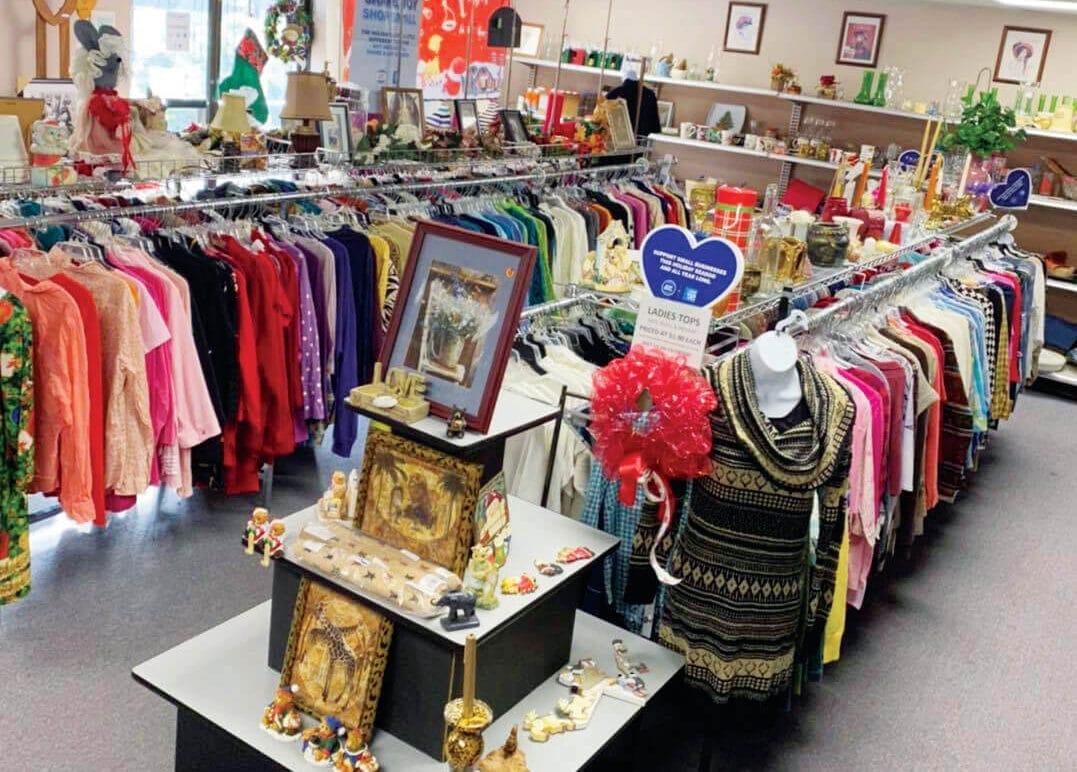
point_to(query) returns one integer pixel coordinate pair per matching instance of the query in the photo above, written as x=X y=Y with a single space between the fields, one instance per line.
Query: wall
x=17 y=52
x=932 y=41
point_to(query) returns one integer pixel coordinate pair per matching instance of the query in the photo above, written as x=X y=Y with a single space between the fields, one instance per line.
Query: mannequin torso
x=773 y=357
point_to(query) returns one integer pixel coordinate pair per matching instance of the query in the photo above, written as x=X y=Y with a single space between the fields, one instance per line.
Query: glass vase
x=880 y=91
x=895 y=88
x=864 y=97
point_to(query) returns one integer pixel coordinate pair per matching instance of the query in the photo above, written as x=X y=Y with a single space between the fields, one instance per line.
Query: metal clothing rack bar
x=304 y=195
x=771 y=304
x=895 y=284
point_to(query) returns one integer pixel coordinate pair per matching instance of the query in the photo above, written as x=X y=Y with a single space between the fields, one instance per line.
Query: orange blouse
x=61 y=425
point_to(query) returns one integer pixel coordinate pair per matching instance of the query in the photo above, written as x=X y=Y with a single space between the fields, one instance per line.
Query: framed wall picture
x=418 y=499
x=512 y=123
x=530 y=40
x=622 y=137
x=1022 y=52
x=456 y=315
x=337 y=649
x=861 y=37
x=402 y=107
x=665 y=114
x=467 y=115
x=337 y=133
x=60 y=95
x=744 y=27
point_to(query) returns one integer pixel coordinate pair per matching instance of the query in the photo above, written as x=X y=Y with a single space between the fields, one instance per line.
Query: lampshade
x=307 y=97
x=231 y=116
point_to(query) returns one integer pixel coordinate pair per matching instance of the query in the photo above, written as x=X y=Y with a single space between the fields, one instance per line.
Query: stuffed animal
x=103 y=118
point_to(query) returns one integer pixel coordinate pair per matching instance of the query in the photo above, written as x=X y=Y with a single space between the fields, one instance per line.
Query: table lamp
x=306 y=100
x=232 y=121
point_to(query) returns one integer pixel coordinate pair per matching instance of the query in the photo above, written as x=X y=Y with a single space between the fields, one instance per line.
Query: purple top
x=346 y=422
x=315 y=279
x=310 y=354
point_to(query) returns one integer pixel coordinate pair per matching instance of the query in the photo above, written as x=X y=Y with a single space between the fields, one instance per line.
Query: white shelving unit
x=1067 y=375
x=718 y=148
x=1061 y=135
x=810 y=100
x=1064 y=286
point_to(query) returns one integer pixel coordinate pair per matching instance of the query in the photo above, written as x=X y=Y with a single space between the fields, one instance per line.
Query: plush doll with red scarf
x=103 y=119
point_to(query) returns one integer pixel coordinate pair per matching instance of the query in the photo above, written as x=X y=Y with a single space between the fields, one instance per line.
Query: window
x=184 y=77
x=174 y=76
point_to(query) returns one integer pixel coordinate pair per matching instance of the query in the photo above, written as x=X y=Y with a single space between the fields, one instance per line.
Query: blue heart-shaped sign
x=1015 y=192
x=677 y=267
x=910 y=158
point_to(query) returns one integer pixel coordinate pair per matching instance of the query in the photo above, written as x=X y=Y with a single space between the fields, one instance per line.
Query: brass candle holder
x=466 y=717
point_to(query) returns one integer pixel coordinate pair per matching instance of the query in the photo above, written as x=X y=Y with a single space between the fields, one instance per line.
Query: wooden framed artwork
x=512 y=123
x=665 y=114
x=337 y=650
x=337 y=133
x=467 y=115
x=1022 y=53
x=861 y=38
x=530 y=39
x=622 y=137
x=744 y=27
x=456 y=316
x=402 y=107
x=418 y=499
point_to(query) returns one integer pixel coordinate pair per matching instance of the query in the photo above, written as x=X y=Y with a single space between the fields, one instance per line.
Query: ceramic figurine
x=480 y=577
x=518 y=585
x=333 y=505
x=321 y=742
x=273 y=542
x=572 y=554
x=281 y=718
x=461 y=607
x=548 y=569
x=255 y=529
x=457 y=424
x=352 y=495
x=507 y=758
x=354 y=755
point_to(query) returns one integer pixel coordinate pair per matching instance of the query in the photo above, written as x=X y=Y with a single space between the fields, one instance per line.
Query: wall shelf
x=1060 y=135
x=1050 y=202
x=845 y=105
x=716 y=147
x=1065 y=286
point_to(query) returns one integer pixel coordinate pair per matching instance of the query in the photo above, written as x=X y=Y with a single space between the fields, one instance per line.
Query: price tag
x=672 y=327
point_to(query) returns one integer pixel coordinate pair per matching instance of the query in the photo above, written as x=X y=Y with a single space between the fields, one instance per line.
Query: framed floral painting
x=337 y=650
x=1022 y=53
x=744 y=27
x=418 y=499
x=456 y=315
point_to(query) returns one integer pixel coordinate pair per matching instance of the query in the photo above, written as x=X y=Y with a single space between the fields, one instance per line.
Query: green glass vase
x=864 y=97
x=880 y=91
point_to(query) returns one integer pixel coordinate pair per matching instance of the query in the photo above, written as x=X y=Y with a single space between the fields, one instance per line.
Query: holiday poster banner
x=381 y=41
x=443 y=71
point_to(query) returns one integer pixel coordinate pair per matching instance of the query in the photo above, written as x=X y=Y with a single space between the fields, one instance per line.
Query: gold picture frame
x=337 y=650
x=622 y=136
x=418 y=499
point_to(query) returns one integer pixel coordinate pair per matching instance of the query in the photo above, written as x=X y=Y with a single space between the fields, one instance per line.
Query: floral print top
x=16 y=447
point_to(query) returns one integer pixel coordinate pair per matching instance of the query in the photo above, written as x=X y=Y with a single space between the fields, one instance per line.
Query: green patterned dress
x=16 y=447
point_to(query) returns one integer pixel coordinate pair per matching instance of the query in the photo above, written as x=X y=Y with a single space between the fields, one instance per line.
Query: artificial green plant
x=986 y=128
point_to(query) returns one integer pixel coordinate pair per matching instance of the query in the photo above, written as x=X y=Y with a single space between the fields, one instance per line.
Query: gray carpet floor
x=963 y=658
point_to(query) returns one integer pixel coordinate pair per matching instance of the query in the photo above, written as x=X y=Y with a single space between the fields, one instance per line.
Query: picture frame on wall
x=1022 y=53
x=744 y=27
x=530 y=39
x=861 y=38
x=665 y=114
x=512 y=123
x=622 y=136
x=337 y=133
x=418 y=499
x=467 y=115
x=336 y=655
x=456 y=315
x=402 y=107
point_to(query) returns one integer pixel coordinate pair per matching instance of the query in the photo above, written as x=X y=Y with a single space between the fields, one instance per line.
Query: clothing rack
x=268 y=199
x=772 y=304
x=895 y=284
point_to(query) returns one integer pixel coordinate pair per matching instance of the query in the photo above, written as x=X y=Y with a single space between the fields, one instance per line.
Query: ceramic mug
x=751 y=141
x=767 y=144
x=727 y=136
x=688 y=130
x=836 y=154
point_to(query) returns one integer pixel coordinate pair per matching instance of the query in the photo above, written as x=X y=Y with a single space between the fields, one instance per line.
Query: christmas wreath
x=649 y=419
x=292 y=43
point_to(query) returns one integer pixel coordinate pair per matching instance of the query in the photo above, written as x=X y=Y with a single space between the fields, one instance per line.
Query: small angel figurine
x=273 y=542
x=256 y=527
x=321 y=742
x=354 y=755
x=281 y=719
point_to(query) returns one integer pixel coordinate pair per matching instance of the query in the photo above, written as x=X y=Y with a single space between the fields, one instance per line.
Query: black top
x=648 y=122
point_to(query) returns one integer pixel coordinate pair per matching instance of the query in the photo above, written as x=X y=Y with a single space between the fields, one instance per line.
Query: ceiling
x=994 y=4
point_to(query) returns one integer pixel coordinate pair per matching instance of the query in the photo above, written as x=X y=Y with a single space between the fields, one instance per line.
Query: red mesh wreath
x=673 y=437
